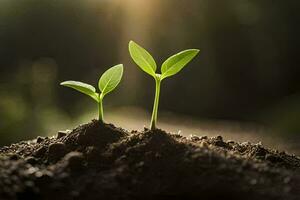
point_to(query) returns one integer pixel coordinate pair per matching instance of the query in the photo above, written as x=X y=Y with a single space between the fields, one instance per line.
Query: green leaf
x=176 y=62
x=110 y=79
x=142 y=58
x=82 y=87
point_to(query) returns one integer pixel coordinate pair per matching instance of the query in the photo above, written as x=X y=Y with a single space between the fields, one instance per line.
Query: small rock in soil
x=31 y=160
x=74 y=160
x=39 y=139
x=273 y=158
x=61 y=134
x=56 y=151
x=14 y=157
x=40 y=152
x=195 y=138
x=203 y=137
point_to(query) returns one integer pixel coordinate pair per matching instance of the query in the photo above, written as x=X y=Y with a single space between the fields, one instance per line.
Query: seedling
x=107 y=83
x=169 y=68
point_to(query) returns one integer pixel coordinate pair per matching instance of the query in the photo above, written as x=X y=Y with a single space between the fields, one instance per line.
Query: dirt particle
x=273 y=158
x=259 y=143
x=140 y=164
x=39 y=139
x=56 y=151
x=259 y=152
x=61 y=134
x=14 y=157
x=31 y=160
x=219 y=137
x=43 y=177
x=204 y=144
x=231 y=142
x=40 y=152
x=31 y=170
x=158 y=155
x=92 y=154
x=203 y=137
x=245 y=143
x=220 y=143
x=195 y=138
x=74 y=160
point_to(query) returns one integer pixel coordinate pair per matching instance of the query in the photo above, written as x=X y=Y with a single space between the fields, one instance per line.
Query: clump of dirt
x=96 y=161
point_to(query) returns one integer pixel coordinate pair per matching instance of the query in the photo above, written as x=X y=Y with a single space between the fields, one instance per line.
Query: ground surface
x=97 y=161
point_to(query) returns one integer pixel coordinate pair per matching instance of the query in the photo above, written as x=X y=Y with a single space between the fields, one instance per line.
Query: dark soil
x=104 y=162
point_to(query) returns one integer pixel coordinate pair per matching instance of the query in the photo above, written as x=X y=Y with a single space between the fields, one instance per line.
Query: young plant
x=107 y=83
x=169 y=68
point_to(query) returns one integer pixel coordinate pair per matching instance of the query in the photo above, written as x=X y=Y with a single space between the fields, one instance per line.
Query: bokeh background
x=244 y=84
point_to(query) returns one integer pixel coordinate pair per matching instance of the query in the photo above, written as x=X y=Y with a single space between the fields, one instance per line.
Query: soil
x=96 y=161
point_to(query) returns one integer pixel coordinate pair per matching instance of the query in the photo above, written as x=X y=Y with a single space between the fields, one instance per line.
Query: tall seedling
x=169 y=68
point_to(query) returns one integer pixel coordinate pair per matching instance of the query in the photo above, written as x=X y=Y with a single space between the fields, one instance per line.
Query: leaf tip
x=120 y=66
x=196 y=51
x=63 y=83
x=193 y=52
x=131 y=42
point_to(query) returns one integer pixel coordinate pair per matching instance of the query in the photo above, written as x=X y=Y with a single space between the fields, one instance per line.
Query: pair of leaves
x=170 y=67
x=107 y=83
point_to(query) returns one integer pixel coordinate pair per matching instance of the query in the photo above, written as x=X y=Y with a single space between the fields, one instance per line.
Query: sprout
x=169 y=68
x=107 y=83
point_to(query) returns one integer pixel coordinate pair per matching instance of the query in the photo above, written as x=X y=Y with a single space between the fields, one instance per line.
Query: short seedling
x=107 y=83
x=169 y=68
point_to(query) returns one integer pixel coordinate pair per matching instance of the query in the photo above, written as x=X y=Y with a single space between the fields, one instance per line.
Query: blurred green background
x=247 y=71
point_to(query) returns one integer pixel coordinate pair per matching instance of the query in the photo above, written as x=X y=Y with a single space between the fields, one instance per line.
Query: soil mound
x=100 y=161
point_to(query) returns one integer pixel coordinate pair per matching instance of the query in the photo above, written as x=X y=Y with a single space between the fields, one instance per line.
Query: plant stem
x=156 y=101
x=100 y=107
